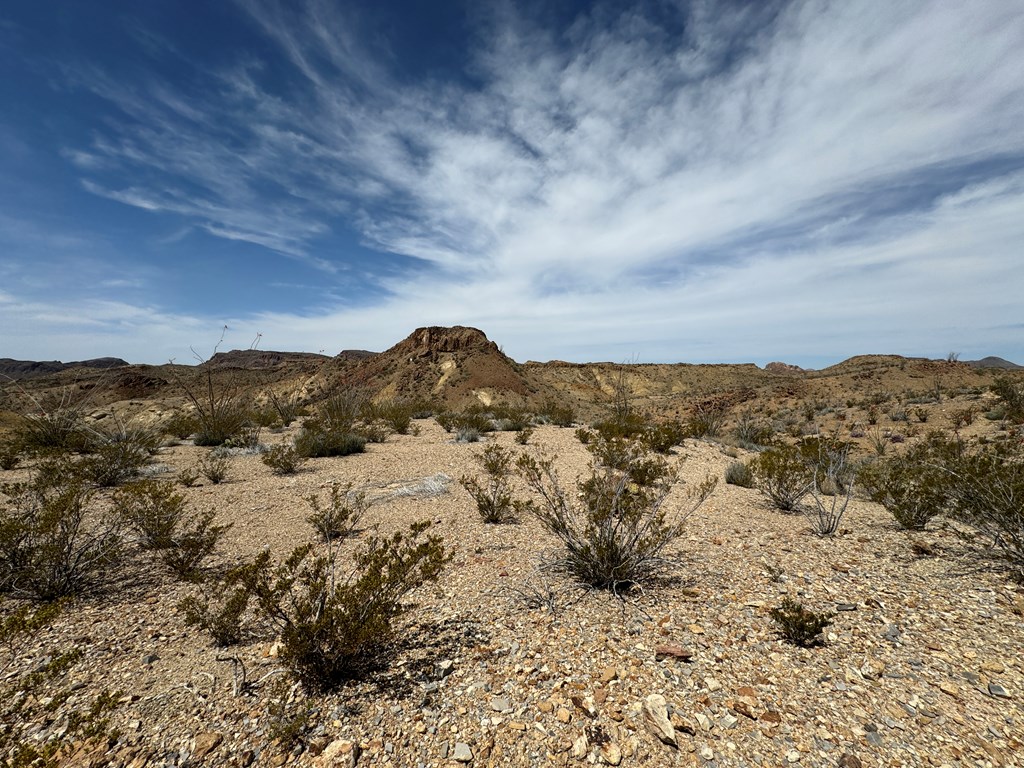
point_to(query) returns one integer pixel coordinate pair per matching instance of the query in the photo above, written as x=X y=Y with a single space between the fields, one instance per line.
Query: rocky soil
x=504 y=664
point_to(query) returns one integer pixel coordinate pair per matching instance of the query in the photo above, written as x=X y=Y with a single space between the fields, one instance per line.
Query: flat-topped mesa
x=433 y=340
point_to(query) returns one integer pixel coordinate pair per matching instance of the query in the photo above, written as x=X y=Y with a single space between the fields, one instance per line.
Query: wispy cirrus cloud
x=744 y=182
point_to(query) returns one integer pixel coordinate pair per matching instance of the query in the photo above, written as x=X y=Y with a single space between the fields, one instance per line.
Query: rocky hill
x=18 y=370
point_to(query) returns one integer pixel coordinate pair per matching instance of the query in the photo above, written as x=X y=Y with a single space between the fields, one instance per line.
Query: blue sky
x=660 y=181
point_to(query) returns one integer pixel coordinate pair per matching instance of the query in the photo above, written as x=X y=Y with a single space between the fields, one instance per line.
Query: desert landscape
x=495 y=651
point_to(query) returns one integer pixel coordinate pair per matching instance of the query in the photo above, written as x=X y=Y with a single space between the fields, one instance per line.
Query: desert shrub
x=335 y=626
x=219 y=612
x=522 y=437
x=706 y=420
x=1011 y=398
x=187 y=477
x=832 y=481
x=114 y=462
x=630 y=457
x=180 y=425
x=921 y=414
x=782 y=475
x=376 y=431
x=51 y=545
x=158 y=515
x=986 y=487
x=911 y=487
x=962 y=417
x=751 y=432
x=898 y=413
x=152 y=509
x=59 y=428
x=614 y=532
x=339 y=516
x=221 y=410
x=738 y=473
x=340 y=410
x=662 y=438
x=10 y=455
x=319 y=438
x=799 y=625
x=467 y=435
x=493 y=495
x=559 y=414
x=195 y=540
x=247 y=436
x=286 y=406
x=214 y=467
x=283 y=459
x=627 y=424
x=585 y=435
x=395 y=414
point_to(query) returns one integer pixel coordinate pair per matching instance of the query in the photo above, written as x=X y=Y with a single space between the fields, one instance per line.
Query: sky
x=655 y=181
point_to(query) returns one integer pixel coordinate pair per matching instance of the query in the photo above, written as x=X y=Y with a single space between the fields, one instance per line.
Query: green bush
x=158 y=515
x=613 y=530
x=522 y=437
x=219 y=614
x=913 y=488
x=559 y=414
x=181 y=425
x=664 y=437
x=799 y=625
x=738 y=473
x=493 y=495
x=782 y=475
x=51 y=544
x=706 y=420
x=336 y=626
x=751 y=432
x=215 y=467
x=286 y=406
x=318 y=438
x=1011 y=397
x=283 y=459
x=115 y=462
x=57 y=429
x=340 y=515
x=10 y=455
x=395 y=414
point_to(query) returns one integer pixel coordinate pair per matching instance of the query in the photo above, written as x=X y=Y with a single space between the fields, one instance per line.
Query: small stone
x=672 y=651
x=517 y=725
x=680 y=724
x=462 y=753
x=545 y=706
x=610 y=753
x=745 y=705
x=712 y=684
x=994 y=667
x=998 y=691
x=771 y=716
x=608 y=674
x=150 y=658
x=501 y=704
x=846 y=606
x=849 y=761
x=704 y=721
x=580 y=747
x=655 y=714
x=728 y=721
x=949 y=688
x=444 y=668
x=792 y=756
x=205 y=743
x=563 y=715
x=873 y=738
x=872 y=669
x=707 y=753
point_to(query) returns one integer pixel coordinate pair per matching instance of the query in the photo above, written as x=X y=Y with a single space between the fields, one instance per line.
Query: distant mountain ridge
x=19 y=370
x=994 y=362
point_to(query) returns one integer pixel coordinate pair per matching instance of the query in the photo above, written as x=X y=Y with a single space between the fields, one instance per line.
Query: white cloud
x=625 y=193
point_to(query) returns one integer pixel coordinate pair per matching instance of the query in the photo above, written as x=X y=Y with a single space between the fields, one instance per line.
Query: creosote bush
x=614 y=530
x=336 y=627
x=283 y=460
x=798 y=625
x=219 y=611
x=912 y=487
x=159 y=516
x=782 y=475
x=214 y=467
x=52 y=544
x=493 y=495
x=321 y=437
x=339 y=516
x=738 y=473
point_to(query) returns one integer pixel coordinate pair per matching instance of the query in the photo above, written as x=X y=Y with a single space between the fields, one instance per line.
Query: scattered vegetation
x=614 y=529
x=339 y=516
x=738 y=473
x=781 y=474
x=283 y=459
x=493 y=495
x=215 y=467
x=799 y=625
